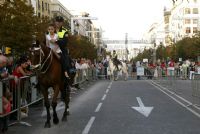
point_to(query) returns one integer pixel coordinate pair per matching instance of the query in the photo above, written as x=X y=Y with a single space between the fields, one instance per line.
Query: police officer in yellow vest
x=62 y=42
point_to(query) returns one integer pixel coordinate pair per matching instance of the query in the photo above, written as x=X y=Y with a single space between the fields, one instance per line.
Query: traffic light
x=8 y=50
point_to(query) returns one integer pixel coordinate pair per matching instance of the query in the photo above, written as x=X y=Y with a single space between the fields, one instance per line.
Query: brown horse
x=50 y=75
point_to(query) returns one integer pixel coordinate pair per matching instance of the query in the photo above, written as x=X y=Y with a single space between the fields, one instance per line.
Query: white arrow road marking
x=142 y=109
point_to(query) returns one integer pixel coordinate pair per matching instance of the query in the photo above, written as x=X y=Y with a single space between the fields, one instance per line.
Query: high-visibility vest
x=61 y=33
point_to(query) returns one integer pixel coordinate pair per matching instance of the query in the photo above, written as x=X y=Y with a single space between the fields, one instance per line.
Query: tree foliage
x=187 y=48
x=81 y=47
x=20 y=27
x=17 y=27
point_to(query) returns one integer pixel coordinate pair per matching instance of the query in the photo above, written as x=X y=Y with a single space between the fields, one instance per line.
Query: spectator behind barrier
x=9 y=65
x=6 y=99
x=20 y=71
x=3 y=70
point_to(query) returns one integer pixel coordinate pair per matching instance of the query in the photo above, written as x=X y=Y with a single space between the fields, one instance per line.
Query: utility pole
x=126 y=46
x=154 y=53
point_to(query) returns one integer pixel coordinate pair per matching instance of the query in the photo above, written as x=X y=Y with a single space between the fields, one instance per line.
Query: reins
x=41 y=64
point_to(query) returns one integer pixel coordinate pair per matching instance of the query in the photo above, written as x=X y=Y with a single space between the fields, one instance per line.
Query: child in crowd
x=6 y=99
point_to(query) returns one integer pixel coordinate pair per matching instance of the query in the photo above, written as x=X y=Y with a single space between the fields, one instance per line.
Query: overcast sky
x=117 y=17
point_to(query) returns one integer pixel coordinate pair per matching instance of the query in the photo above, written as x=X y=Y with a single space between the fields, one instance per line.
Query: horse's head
x=38 y=55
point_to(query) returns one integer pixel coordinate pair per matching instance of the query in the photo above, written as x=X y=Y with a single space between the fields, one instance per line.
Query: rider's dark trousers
x=65 y=60
x=116 y=62
x=65 y=66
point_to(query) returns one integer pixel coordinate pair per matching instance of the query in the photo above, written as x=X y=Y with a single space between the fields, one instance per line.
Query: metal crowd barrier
x=85 y=75
x=196 y=89
x=23 y=94
x=7 y=84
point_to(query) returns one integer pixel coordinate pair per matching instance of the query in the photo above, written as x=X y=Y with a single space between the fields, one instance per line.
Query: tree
x=17 y=27
x=40 y=26
x=81 y=47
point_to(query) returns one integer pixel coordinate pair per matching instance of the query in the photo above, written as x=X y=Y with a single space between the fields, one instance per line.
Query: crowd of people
x=13 y=71
x=181 y=69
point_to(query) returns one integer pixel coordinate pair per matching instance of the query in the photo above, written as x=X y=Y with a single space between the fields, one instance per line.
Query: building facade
x=156 y=34
x=183 y=20
x=42 y=8
x=57 y=9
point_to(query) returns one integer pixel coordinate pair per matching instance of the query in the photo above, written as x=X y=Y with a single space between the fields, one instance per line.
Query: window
x=195 y=21
x=38 y=4
x=188 y=30
x=195 y=11
x=187 y=11
x=42 y=6
x=46 y=6
x=195 y=30
x=39 y=15
x=195 y=1
x=187 y=21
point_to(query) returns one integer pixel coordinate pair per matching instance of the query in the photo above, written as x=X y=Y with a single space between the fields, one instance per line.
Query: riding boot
x=66 y=89
x=67 y=85
x=63 y=94
x=117 y=68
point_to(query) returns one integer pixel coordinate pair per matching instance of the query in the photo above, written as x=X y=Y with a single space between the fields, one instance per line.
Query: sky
x=118 y=17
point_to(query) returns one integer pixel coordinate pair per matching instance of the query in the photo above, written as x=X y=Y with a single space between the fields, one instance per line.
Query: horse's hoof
x=68 y=113
x=56 y=121
x=47 y=125
x=64 y=118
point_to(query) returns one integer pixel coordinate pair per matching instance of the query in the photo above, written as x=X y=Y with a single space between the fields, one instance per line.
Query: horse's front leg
x=116 y=75
x=54 y=104
x=47 y=105
x=66 y=91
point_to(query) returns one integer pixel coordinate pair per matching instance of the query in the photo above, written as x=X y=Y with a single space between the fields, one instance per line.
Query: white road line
x=104 y=97
x=98 y=107
x=88 y=126
x=107 y=90
x=189 y=109
x=109 y=86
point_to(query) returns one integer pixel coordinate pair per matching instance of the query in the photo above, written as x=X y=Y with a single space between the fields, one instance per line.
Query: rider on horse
x=115 y=60
x=62 y=42
x=65 y=58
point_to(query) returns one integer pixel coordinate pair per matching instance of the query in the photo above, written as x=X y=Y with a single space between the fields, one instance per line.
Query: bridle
x=41 y=64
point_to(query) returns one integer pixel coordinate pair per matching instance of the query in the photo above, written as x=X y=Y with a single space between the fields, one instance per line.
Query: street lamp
x=79 y=18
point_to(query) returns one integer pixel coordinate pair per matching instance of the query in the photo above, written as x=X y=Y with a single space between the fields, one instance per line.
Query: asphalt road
x=111 y=108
